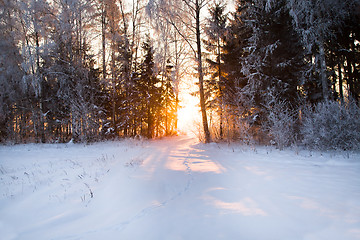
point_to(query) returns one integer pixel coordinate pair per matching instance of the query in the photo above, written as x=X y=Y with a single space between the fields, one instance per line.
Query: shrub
x=280 y=125
x=331 y=125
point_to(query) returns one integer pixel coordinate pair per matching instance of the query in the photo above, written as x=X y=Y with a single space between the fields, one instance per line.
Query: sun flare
x=189 y=112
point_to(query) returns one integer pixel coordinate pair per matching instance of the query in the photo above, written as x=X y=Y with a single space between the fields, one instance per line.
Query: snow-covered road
x=176 y=188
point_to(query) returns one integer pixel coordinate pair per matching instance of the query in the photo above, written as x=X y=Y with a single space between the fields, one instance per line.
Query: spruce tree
x=215 y=32
x=274 y=64
x=149 y=93
x=234 y=50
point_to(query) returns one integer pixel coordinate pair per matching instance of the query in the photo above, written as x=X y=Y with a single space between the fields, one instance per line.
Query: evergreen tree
x=275 y=60
x=168 y=101
x=317 y=22
x=149 y=92
x=342 y=58
x=215 y=32
x=235 y=42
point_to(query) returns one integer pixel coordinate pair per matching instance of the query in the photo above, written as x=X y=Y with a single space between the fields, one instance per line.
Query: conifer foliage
x=280 y=60
x=268 y=71
x=52 y=87
x=215 y=32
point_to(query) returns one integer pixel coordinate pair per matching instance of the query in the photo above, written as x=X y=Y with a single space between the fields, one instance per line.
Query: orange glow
x=189 y=111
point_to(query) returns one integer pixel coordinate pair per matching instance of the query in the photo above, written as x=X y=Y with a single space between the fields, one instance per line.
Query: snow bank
x=176 y=188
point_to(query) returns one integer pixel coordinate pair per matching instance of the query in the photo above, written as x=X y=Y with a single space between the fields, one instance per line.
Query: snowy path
x=176 y=189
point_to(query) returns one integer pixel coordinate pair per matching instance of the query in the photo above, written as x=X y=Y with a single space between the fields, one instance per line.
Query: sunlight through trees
x=102 y=69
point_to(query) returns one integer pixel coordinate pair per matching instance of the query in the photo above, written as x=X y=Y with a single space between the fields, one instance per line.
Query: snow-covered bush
x=280 y=125
x=281 y=119
x=245 y=132
x=331 y=125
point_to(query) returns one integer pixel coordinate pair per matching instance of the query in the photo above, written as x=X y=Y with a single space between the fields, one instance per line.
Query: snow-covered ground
x=176 y=188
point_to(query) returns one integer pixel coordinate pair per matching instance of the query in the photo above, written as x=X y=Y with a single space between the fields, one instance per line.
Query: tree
x=316 y=21
x=275 y=59
x=343 y=63
x=263 y=59
x=234 y=50
x=51 y=88
x=172 y=53
x=170 y=100
x=149 y=91
x=125 y=28
x=71 y=67
x=185 y=17
x=35 y=19
x=215 y=32
x=115 y=35
x=11 y=72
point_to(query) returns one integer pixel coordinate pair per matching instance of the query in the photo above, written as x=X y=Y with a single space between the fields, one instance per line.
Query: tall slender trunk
x=103 y=32
x=324 y=82
x=354 y=90
x=127 y=63
x=39 y=74
x=164 y=81
x=219 y=86
x=114 y=93
x=177 y=83
x=149 y=122
x=349 y=76
x=201 y=75
x=341 y=91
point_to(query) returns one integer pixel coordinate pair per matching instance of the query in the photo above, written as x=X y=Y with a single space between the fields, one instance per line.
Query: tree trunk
x=220 y=90
x=201 y=75
x=324 y=82
x=341 y=92
x=103 y=32
x=176 y=82
x=39 y=73
x=127 y=70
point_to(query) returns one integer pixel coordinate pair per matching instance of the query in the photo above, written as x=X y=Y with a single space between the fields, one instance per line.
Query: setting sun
x=189 y=112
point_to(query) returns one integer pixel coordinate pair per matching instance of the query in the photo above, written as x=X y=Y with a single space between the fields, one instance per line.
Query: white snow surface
x=177 y=188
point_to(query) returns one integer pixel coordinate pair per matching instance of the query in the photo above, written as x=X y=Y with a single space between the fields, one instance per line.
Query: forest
x=278 y=72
